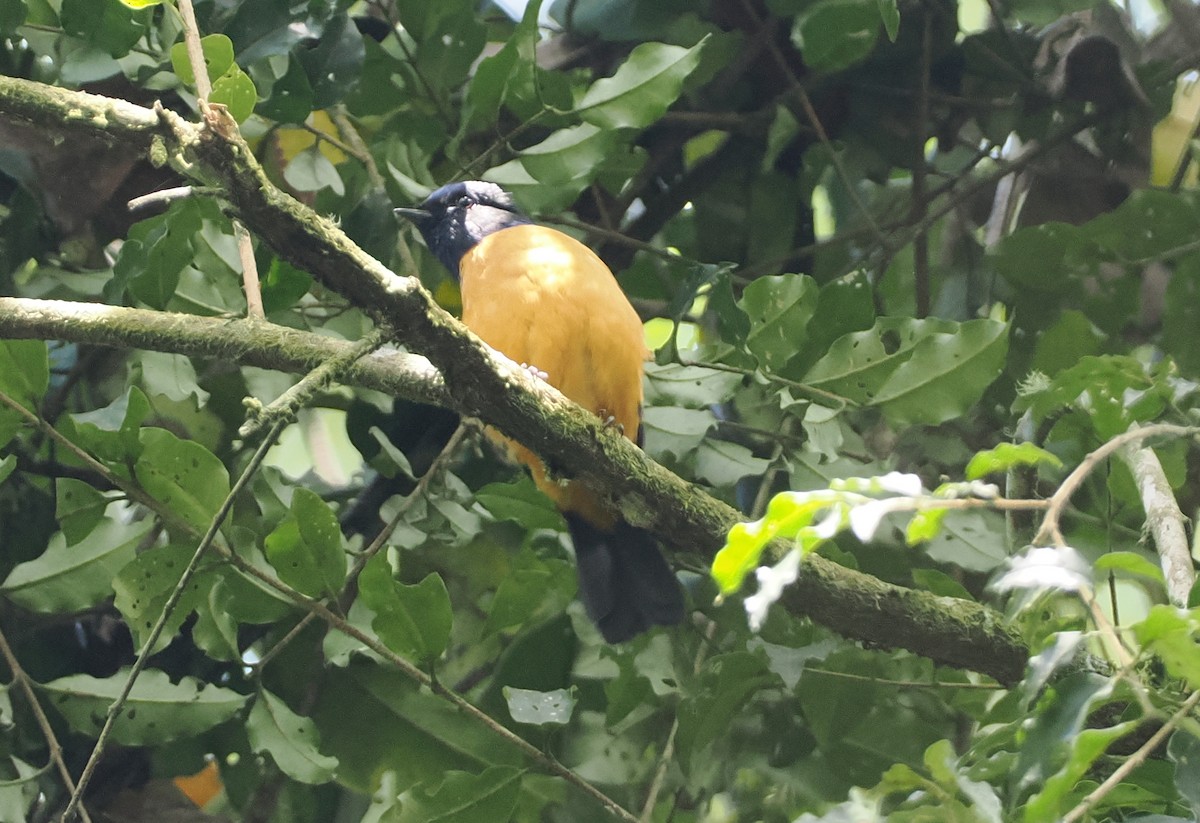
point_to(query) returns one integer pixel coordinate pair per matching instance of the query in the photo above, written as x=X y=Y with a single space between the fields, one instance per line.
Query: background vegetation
x=921 y=279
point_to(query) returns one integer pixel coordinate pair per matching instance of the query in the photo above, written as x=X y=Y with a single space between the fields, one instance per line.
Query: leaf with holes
x=156 y=711
x=946 y=374
x=183 y=475
x=143 y=586
x=306 y=548
x=858 y=364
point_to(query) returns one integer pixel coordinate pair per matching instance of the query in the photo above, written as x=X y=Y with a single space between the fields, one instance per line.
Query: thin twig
x=920 y=205
x=668 y=752
x=131 y=491
x=810 y=113
x=422 y=678
x=250 y=281
x=321 y=611
x=813 y=393
x=284 y=407
x=357 y=146
x=1050 y=533
x=195 y=53
x=1133 y=761
x=434 y=471
x=163 y=197
x=168 y=609
x=22 y=680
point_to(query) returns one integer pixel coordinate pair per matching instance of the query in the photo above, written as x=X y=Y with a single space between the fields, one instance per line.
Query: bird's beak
x=415 y=215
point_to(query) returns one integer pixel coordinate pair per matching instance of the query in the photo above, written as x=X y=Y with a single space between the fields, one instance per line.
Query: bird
x=544 y=299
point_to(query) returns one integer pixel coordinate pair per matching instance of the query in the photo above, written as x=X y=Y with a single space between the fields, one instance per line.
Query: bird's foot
x=609 y=421
x=535 y=371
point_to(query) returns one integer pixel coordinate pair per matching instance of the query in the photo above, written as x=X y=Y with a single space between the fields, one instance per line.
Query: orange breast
x=543 y=298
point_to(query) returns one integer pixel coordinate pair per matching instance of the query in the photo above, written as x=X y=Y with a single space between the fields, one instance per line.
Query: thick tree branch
x=246 y=342
x=480 y=383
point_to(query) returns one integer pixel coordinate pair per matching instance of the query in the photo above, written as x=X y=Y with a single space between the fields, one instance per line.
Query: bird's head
x=457 y=216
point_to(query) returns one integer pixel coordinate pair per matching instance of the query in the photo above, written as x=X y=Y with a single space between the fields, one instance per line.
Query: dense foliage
x=906 y=267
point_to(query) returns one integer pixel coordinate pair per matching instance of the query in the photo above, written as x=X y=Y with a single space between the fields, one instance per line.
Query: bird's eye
x=464 y=201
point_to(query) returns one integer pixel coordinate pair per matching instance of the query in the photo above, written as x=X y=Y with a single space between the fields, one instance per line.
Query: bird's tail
x=624 y=580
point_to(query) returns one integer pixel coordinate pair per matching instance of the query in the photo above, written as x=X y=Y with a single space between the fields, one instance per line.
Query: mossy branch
x=479 y=382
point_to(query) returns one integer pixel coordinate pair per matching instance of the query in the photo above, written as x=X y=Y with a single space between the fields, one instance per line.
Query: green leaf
x=946 y=374
x=1045 y=259
x=924 y=525
x=571 y=155
x=107 y=24
x=291 y=739
x=24 y=376
x=1058 y=792
x=184 y=476
x=112 y=433
x=235 y=90
x=1184 y=752
x=1171 y=635
x=171 y=375
x=549 y=175
x=72 y=578
x=490 y=797
x=889 y=12
x=8 y=465
x=157 y=709
x=78 y=507
x=508 y=73
x=306 y=548
x=695 y=387
x=1055 y=726
x=1113 y=391
x=726 y=683
x=1007 y=455
x=283 y=285
x=642 y=89
x=971 y=540
x=552 y=708
x=858 y=364
x=1130 y=563
x=1046 y=12
x=218 y=58
x=722 y=463
x=518 y=597
x=12 y=15
x=626 y=692
x=411 y=620
x=520 y=502
x=335 y=63
x=1072 y=337
x=836 y=34
x=143 y=586
x=779 y=308
x=675 y=432
x=397 y=726
x=311 y=170
x=291 y=99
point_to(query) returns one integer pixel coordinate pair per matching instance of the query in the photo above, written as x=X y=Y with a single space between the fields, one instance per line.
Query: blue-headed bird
x=542 y=298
